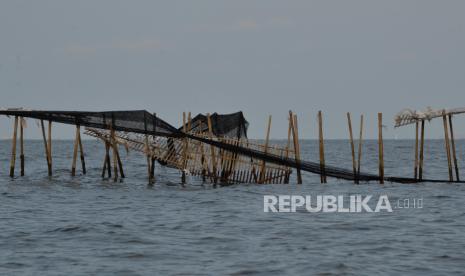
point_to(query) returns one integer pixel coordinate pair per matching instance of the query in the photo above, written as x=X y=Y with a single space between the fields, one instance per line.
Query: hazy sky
x=261 y=57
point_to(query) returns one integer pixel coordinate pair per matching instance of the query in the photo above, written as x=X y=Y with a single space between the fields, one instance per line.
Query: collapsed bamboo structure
x=215 y=147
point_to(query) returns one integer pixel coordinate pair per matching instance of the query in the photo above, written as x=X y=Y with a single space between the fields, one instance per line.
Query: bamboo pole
x=212 y=149
x=120 y=163
x=416 y=150
x=49 y=146
x=147 y=150
x=380 y=148
x=49 y=167
x=447 y=146
x=322 y=148
x=360 y=139
x=107 y=162
x=352 y=147
x=115 y=161
x=454 y=155
x=263 y=166
x=286 y=178
x=293 y=122
x=21 y=143
x=81 y=150
x=185 y=148
x=13 y=148
x=75 y=150
x=422 y=145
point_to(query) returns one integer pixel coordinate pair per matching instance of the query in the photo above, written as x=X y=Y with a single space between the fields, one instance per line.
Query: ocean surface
x=86 y=225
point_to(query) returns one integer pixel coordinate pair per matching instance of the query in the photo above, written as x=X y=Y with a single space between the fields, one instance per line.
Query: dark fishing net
x=231 y=125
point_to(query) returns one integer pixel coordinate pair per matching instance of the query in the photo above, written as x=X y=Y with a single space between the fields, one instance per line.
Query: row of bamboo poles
x=449 y=145
x=217 y=165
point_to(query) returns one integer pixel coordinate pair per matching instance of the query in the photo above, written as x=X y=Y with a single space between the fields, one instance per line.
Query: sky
x=263 y=57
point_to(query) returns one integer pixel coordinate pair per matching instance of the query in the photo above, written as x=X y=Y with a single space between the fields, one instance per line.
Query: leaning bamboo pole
x=295 y=138
x=422 y=146
x=360 y=140
x=49 y=146
x=380 y=148
x=352 y=146
x=212 y=148
x=13 y=148
x=454 y=155
x=49 y=165
x=321 y=148
x=263 y=166
x=447 y=146
x=21 y=144
x=75 y=150
x=415 y=175
x=81 y=150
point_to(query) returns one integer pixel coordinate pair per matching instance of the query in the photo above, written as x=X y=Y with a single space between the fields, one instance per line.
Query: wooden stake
x=147 y=150
x=295 y=136
x=81 y=150
x=380 y=148
x=322 y=148
x=360 y=139
x=49 y=146
x=184 y=153
x=213 y=158
x=13 y=148
x=75 y=150
x=352 y=147
x=263 y=166
x=454 y=155
x=21 y=139
x=447 y=146
x=416 y=150
x=115 y=159
x=49 y=166
x=422 y=145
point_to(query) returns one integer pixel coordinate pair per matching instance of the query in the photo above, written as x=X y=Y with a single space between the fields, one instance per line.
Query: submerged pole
x=263 y=166
x=49 y=147
x=75 y=150
x=422 y=146
x=213 y=158
x=322 y=148
x=295 y=138
x=21 y=143
x=447 y=146
x=13 y=148
x=81 y=150
x=454 y=155
x=415 y=174
x=49 y=166
x=352 y=147
x=380 y=148
x=360 y=138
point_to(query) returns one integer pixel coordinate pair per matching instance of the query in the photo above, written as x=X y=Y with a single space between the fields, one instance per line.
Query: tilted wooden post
x=360 y=139
x=75 y=150
x=21 y=143
x=380 y=148
x=13 y=148
x=212 y=148
x=422 y=146
x=263 y=166
x=454 y=155
x=322 y=148
x=415 y=175
x=295 y=136
x=147 y=150
x=447 y=146
x=352 y=147
x=49 y=165
x=49 y=146
x=81 y=150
